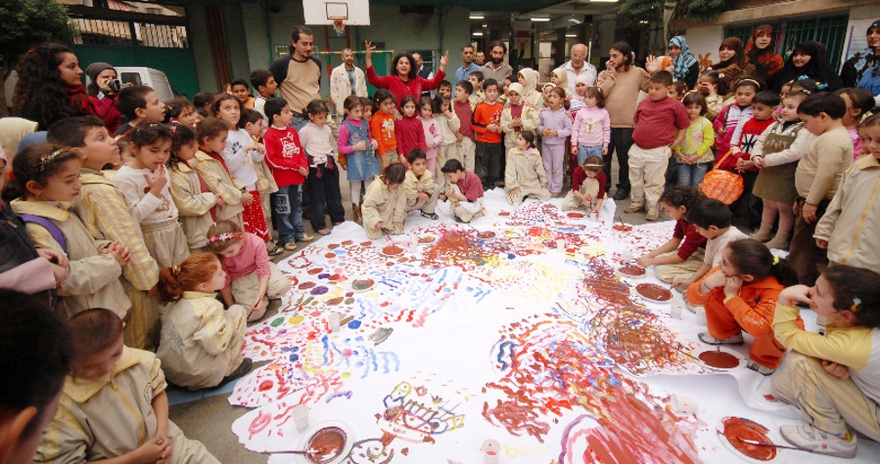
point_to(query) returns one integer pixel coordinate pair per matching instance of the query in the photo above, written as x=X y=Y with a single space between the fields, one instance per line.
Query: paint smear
x=737 y=429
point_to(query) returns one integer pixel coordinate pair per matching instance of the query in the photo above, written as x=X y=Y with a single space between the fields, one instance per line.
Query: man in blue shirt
x=467 y=56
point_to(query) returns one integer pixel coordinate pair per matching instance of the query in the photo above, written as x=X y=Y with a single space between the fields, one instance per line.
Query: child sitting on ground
x=832 y=378
x=711 y=218
x=200 y=346
x=587 y=187
x=419 y=186
x=384 y=207
x=251 y=279
x=683 y=254
x=740 y=295
x=113 y=403
x=465 y=192
x=525 y=176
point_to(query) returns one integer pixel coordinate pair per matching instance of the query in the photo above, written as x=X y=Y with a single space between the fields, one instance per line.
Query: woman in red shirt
x=406 y=81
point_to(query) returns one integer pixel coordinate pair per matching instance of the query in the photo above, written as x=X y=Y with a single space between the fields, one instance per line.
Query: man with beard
x=496 y=68
x=298 y=74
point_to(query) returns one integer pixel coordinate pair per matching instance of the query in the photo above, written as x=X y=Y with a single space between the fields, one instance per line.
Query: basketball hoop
x=339 y=25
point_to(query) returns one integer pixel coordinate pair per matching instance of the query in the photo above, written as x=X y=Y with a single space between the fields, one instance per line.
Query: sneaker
x=809 y=438
x=306 y=238
x=705 y=337
x=621 y=194
x=290 y=246
x=241 y=370
x=338 y=223
x=273 y=249
x=634 y=208
x=652 y=215
x=431 y=216
x=458 y=220
x=690 y=306
x=324 y=231
x=763 y=370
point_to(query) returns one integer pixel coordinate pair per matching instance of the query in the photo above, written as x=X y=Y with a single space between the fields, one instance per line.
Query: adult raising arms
x=405 y=81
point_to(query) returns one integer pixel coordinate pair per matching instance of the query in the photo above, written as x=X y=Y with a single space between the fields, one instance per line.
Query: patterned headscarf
x=684 y=60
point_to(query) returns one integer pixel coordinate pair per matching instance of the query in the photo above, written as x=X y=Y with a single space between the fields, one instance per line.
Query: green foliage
x=27 y=23
x=700 y=10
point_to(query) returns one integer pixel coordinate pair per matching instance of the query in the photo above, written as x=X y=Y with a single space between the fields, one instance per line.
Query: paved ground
x=210 y=419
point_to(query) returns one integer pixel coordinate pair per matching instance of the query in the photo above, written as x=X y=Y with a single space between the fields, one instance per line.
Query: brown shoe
x=356 y=209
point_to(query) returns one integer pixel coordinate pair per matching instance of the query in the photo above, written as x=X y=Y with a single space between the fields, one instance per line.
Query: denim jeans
x=287 y=206
x=585 y=151
x=690 y=175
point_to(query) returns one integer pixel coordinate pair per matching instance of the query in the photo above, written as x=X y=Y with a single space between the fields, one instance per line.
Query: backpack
x=53 y=229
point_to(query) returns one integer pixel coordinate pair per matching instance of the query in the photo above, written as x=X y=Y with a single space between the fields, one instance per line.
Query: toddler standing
x=211 y=166
x=554 y=127
x=356 y=145
x=195 y=203
x=432 y=133
x=487 y=126
x=408 y=129
x=382 y=128
x=694 y=153
x=591 y=129
x=449 y=125
x=323 y=180
x=517 y=117
x=740 y=109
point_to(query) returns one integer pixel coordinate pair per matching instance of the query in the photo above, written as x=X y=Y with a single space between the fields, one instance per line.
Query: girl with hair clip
x=356 y=148
x=200 y=343
x=144 y=184
x=740 y=110
x=741 y=295
x=195 y=202
x=760 y=52
x=732 y=66
x=181 y=111
x=251 y=279
x=44 y=183
x=242 y=153
x=807 y=60
x=49 y=86
x=554 y=127
x=323 y=180
x=833 y=378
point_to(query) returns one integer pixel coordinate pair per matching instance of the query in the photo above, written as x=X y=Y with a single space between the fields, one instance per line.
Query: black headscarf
x=818 y=69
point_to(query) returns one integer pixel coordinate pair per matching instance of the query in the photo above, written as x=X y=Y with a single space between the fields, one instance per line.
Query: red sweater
x=285 y=155
x=488 y=113
x=400 y=89
x=692 y=239
x=465 y=114
x=471 y=186
x=580 y=175
x=410 y=135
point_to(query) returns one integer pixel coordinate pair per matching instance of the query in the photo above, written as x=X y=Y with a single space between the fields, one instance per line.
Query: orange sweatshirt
x=485 y=114
x=382 y=129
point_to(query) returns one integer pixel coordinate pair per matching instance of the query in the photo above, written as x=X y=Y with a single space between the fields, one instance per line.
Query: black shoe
x=431 y=216
x=458 y=220
x=621 y=194
x=241 y=370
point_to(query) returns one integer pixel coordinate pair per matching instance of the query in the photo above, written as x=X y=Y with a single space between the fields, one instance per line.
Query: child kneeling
x=250 y=277
x=525 y=175
x=465 y=193
x=587 y=187
x=741 y=295
x=418 y=183
x=113 y=403
x=200 y=345
x=385 y=203
x=832 y=378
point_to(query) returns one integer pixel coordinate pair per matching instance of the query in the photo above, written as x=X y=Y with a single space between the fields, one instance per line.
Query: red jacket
x=410 y=135
x=106 y=109
x=285 y=155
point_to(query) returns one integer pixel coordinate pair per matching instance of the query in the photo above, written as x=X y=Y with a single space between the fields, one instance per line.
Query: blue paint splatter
x=354 y=324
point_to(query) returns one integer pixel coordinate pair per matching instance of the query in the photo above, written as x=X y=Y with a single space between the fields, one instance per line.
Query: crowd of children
x=140 y=232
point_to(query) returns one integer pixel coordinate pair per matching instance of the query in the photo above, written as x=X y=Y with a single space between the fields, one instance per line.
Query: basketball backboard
x=326 y=12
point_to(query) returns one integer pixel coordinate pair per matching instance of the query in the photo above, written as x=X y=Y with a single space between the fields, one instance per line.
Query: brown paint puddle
x=362 y=284
x=737 y=429
x=306 y=285
x=504 y=213
x=335 y=301
x=315 y=271
x=392 y=250
x=632 y=270
x=654 y=292
x=326 y=444
x=719 y=359
x=486 y=234
x=427 y=239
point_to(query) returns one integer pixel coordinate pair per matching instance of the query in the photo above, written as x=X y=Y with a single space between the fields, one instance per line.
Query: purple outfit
x=553 y=148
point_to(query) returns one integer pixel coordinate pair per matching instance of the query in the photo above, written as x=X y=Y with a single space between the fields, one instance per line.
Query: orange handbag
x=721 y=185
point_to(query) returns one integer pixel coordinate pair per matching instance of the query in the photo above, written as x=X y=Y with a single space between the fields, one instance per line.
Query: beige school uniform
x=244 y=290
x=448 y=127
x=530 y=120
x=201 y=342
x=525 y=171
x=413 y=185
x=92 y=278
x=219 y=182
x=102 y=208
x=108 y=418
x=193 y=205
x=266 y=186
x=381 y=204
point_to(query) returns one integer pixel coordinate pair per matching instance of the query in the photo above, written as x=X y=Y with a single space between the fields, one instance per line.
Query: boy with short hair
x=464 y=149
x=113 y=403
x=102 y=207
x=445 y=89
x=242 y=92
x=817 y=179
x=746 y=134
x=712 y=219
x=476 y=97
x=657 y=119
x=286 y=157
x=419 y=186
x=465 y=192
x=139 y=103
x=487 y=126
x=587 y=187
x=264 y=82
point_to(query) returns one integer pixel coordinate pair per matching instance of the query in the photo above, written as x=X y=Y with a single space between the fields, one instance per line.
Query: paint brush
x=771 y=445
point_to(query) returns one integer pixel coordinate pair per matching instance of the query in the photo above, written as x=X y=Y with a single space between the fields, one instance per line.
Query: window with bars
x=830 y=31
x=90 y=31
